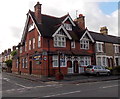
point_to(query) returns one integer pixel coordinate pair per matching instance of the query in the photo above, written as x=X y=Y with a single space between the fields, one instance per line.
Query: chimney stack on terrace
x=104 y=30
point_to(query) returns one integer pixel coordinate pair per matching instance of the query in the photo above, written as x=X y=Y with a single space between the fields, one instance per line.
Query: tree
x=9 y=63
x=13 y=53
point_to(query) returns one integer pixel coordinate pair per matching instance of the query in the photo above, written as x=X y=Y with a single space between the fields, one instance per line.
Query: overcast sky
x=13 y=16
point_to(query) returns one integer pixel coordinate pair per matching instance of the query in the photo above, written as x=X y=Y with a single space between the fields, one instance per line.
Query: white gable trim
x=35 y=25
x=62 y=27
x=68 y=17
x=24 y=31
x=26 y=24
x=86 y=32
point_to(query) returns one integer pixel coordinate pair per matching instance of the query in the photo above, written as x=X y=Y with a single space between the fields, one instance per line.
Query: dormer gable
x=87 y=35
x=58 y=31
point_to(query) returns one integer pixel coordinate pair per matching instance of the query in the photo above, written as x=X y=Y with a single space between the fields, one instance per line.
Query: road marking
x=20 y=85
x=109 y=86
x=24 y=87
x=63 y=93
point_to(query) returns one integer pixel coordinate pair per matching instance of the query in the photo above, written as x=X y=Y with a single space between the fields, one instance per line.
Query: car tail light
x=92 y=70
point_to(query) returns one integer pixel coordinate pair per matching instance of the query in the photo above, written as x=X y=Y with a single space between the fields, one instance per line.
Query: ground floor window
x=55 y=61
x=17 y=62
x=117 y=61
x=85 y=60
x=101 y=61
x=24 y=63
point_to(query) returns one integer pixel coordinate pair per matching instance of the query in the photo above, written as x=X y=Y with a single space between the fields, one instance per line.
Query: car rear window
x=89 y=66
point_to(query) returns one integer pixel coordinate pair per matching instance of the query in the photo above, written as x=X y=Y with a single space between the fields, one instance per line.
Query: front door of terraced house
x=30 y=68
x=75 y=65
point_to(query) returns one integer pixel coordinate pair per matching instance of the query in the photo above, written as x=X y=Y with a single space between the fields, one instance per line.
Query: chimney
x=9 y=50
x=37 y=9
x=104 y=30
x=14 y=48
x=81 y=21
x=5 y=51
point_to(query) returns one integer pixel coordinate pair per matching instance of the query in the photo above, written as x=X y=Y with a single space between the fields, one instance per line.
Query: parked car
x=97 y=70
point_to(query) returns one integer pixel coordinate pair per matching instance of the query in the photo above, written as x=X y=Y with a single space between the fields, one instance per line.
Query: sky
x=98 y=13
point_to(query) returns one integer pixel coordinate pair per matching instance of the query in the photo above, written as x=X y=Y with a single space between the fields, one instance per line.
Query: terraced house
x=50 y=44
x=107 y=48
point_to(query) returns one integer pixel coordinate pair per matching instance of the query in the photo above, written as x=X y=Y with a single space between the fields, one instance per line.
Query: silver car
x=97 y=70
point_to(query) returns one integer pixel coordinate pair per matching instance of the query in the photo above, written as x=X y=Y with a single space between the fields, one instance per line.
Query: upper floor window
x=30 y=27
x=68 y=26
x=59 y=41
x=21 y=49
x=30 y=44
x=84 y=44
x=99 y=47
x=25 y=46
x=39 y=40
x=116 y=48
x=33 y=43
x=72 y=44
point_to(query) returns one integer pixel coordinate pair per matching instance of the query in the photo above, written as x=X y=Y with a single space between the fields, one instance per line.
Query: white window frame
x=85 y=60
x=23 y=63
x=84 y=44
x=99 y=46
x=30 y=43
x=72 y=44
x=68 y=26
x=33 y=43
x=39 y=41
x=55 y=58
x=17 y=63
x=58 y=40
x=116 y=48
x=20 y=49
x=62 y=64
x=103 y=60
x=25 y=46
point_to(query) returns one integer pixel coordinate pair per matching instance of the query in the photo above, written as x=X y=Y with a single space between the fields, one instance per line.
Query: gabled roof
x=105 y=38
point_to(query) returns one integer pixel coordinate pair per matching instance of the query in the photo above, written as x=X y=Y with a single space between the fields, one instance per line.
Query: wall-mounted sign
x=44 y=53
x=45 y=58
x=37 y=57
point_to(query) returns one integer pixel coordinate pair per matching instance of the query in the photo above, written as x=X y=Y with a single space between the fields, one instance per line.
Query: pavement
x=73 y=79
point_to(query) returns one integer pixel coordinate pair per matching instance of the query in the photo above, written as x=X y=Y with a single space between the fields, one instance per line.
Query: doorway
x=75 y=65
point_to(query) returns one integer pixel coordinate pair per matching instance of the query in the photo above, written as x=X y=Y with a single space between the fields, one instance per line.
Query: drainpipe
x=48 y=57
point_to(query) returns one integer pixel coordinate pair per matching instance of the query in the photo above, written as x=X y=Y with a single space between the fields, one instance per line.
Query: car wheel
x=108 y=73
x=97 y=74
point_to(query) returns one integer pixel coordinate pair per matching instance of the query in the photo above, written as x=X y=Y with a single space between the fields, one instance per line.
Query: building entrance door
x=75 y=65
x=30 y=68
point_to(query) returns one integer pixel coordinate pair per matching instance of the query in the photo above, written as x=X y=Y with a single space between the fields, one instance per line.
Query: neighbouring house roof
x=105 y=38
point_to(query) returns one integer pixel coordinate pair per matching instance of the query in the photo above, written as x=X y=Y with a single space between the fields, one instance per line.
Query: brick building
x=49 y=42
x=107 y=48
